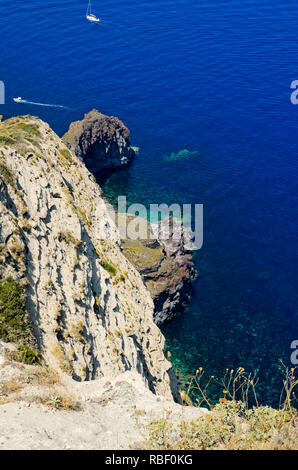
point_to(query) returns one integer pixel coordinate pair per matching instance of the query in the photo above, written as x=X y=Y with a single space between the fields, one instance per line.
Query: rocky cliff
x=166 y=266
x=102 y=141
x=62 y=270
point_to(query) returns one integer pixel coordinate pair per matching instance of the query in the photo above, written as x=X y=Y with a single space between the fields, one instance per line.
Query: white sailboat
x=90 y=16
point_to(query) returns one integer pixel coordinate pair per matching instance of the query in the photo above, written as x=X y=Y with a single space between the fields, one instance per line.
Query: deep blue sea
x=212 y=77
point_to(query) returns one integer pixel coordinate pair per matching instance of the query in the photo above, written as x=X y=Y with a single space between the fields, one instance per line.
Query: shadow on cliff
x=103 y=176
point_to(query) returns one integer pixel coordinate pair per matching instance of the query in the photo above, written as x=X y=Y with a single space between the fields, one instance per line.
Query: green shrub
x=6 y=174
x=33 y=142
x=6 y=140
x=30 y=129
x=15 y=326
x=109 y=268
x=232 y=424
x=228 y=426
x=66 y=154
x=84 y=217
x=28 y=355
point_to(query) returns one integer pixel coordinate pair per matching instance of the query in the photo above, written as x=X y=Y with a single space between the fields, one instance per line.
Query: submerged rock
x=184 y=154
x=103 y=142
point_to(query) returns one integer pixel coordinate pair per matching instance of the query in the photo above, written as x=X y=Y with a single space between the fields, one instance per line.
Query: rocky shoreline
x=83 y=364
x=166 y=265
x=86 y=302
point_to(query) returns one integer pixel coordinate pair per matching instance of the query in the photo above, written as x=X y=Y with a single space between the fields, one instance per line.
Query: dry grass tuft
x=11 y=387
x=44 y=377
x=59 y=401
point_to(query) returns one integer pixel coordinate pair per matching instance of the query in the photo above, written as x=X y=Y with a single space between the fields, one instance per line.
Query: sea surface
x=210 y=77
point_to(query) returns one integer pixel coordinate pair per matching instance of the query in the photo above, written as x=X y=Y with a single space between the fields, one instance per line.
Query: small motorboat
x=90 y=16
x=18 y=100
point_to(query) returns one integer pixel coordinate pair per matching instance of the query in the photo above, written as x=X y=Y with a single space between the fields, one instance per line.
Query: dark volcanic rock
x=166 y=266
x=103 y=142
x=170 y=286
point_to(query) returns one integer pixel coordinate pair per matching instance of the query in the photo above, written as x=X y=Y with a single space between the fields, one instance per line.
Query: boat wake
x=43 y=104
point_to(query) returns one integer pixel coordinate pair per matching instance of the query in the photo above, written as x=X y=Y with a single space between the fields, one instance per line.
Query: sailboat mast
x=90 y=16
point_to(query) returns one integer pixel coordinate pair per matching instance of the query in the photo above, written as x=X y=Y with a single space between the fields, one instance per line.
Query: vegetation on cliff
x=235 y=422
x=61 y=264
x=88 y=304
x=15 y=326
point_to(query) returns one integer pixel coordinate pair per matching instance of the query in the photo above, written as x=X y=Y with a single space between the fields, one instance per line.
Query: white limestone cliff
x=91 y=313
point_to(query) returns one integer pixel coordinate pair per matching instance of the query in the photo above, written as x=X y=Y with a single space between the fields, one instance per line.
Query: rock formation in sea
x=103 y=142
x=166 y=266
x=66 y=288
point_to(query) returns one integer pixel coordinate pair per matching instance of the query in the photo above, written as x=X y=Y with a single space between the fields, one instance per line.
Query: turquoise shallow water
x=210 y=77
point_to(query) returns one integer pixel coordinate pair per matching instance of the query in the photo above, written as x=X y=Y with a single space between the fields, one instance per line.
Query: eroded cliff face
x=103 y=142
x=92 y=315
x=166 y=265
